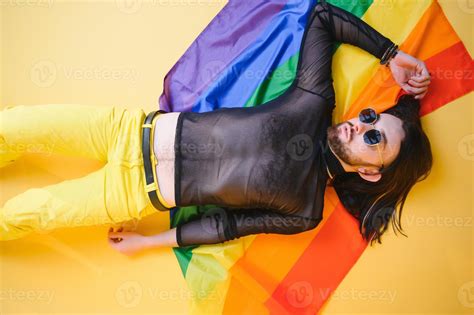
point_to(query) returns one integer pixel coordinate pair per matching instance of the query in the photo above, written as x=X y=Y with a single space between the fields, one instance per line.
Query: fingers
x=112 y=241
x=120 y=229
x=413 y=90
x=131 y=225
x=424 y=70
x=115 y=236
x=418 y=93
x=419 y=83
x=420 y=96
x=420 y=80
x=421 y=68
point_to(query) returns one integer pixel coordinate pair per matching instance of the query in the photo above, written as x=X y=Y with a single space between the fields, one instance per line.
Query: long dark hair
x=375 y=203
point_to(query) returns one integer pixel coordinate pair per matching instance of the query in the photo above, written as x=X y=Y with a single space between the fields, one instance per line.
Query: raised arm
x=347 y=28
x=330 y=24
x=224 y=224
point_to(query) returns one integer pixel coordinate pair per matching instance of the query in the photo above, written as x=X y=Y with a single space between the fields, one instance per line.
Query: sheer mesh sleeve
x=330 y=24
x=223 y=224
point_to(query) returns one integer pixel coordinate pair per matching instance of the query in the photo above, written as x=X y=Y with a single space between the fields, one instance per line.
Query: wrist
x=398 y=59
x=151 y=241
x=394 y=57
x=389 y=54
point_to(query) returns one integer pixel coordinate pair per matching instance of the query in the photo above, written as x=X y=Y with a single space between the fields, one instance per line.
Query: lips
x=347 y=132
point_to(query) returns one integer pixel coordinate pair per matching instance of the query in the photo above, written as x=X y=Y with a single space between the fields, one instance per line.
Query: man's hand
x=410 y=74
x=127 y=243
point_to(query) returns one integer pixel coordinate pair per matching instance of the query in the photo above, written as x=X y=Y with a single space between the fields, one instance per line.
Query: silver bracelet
x=390 y=53
x=391 y=57
x=386 y=52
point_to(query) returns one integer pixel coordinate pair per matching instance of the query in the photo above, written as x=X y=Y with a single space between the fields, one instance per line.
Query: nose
x=357 y=128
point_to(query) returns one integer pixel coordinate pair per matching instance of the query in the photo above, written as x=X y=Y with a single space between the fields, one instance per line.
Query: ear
x=369 y=175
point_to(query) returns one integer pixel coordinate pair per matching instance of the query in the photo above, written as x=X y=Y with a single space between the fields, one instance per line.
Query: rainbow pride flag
x=246 y=56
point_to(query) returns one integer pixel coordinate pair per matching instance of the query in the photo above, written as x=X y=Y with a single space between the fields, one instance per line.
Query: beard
x=339 y=148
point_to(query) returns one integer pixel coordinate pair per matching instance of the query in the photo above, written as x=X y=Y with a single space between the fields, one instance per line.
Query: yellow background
x=117 y=53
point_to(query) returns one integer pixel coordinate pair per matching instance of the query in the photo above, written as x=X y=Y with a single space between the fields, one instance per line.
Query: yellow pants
x=113 y=194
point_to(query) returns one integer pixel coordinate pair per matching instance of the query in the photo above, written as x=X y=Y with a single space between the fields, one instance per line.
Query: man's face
x=346 y=140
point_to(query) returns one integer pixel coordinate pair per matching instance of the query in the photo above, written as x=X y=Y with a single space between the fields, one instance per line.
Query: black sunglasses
x=371 y=137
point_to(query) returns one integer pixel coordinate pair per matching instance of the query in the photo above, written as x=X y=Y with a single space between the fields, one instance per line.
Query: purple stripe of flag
x=224 y=39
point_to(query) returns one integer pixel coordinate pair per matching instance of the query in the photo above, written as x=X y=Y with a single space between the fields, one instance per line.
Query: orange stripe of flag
x=321 y=267
x=281 y=252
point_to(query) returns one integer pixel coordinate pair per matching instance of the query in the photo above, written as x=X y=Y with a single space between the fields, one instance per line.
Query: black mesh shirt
x=265 y=166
